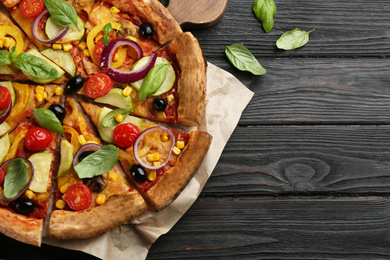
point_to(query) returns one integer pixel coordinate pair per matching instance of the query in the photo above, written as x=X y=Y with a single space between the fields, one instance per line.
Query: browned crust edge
x=116 y=211
x=192 y=81
x=165 y=191
x=21 y=228
x=166 y=28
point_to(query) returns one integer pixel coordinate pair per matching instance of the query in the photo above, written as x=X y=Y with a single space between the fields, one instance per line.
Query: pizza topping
x=35 y=29
x=74 y=84
x=5 y=98
x=2 y=175
x=58 y=110
x=78 y=196
x=96 y=184
x=147 y=140
x=24 y=206
x=6 y=30
x=6 y=114
x=37 y=139
x=98 y=85
x=138 y=173
x=125 y=135
x=159 y=104
x=48 y=120
x=146 y=30
x=153 y=81
x=19 y=174
x=31 y=8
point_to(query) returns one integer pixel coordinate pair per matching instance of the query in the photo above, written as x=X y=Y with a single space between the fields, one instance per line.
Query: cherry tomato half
x=98 y=85
x=125 y=135
x=99 y=47
x=78 y=196
x=31 y=8
x=37 y=139
x=3 y=172
x=5 y=98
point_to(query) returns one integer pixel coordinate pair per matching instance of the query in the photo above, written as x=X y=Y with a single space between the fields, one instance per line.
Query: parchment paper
x=227 y=98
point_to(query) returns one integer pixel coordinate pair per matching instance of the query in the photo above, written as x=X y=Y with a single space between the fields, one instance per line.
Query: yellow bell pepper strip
x=122 y=53
x=15 y=144
x=22 y=94
x=11 y=31
x=91 y=38
x=74 y=141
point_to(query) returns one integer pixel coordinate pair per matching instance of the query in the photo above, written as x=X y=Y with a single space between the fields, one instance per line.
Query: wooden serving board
x=196 y=14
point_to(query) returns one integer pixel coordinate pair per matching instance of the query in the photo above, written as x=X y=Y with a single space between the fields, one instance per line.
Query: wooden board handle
x=198 y=13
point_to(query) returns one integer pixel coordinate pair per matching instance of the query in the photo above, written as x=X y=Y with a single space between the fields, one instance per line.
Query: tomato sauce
x=39 y=211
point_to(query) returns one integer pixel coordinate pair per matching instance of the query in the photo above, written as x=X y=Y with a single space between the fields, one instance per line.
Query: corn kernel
x=176 y=150
x=1 y=44
x=97 y=38
x=92 y=142
x=180 y=144
x=153 y=157
x=82 y=140
x=83 y=45
x=100 y=199
x=156 y=163
x=39 y=97
x=152 y=175
x=64 y=188
x=42 y=196
x=44 y=95
x=86 y=52
x=126 y=92
x=114 y=10
x=112 y=176
x=63 y=196
x=60 y=204
x=30 y=194
x=56 y=46
x=164 y=137
x=170 y=98
x=39 y=89
x=73 y=180
x=67 y=47
x=116 y=57
x=131 y=38
x=7 y=42
x=119 y=118
x=59 y=91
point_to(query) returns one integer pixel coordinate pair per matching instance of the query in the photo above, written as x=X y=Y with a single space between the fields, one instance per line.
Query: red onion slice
x=125 y=76
x=86 y=147
x=31 y=176
x=139 y=138
x=6 y=114
x=35 y=30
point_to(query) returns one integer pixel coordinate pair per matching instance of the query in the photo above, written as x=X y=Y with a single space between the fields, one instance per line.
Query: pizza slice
x=160 y=161
x=26 y=166
x=92 y=195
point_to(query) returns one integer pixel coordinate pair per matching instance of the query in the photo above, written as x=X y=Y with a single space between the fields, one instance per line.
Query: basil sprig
x=107 y=30
x=5 y=58
x=62 y=12
x=16 y=178
x=35 y=66
x=293 y=39
x=48 y=120
x=243 y=59
x=265 y=11
x=99 y=162
x=153 y=80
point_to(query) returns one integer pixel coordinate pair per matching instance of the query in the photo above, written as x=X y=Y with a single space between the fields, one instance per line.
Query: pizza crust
x=165 y=26
x=20 y=227
x=192 y=82
x=98 y=220
x=165 y=191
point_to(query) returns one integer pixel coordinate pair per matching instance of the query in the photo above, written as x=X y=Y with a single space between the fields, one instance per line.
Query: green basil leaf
x=106 y=39
x=35 y=66
x=109 y=119
x=48 y=120
x=13 y=53
x=16 y=178
x=293 y=39
x=99 y=162
x=153 y=80
x=5 y=58
x=62 y=12
x=265 y=11
x=243 y=59
x=107 y=28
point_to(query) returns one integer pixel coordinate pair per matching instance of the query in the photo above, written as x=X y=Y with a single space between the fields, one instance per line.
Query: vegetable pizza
x=93 y=97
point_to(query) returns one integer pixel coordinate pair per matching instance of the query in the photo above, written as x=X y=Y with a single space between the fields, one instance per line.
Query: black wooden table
x=306 y=174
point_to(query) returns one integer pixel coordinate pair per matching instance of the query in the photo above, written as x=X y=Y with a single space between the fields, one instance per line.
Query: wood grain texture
x=197 y=14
